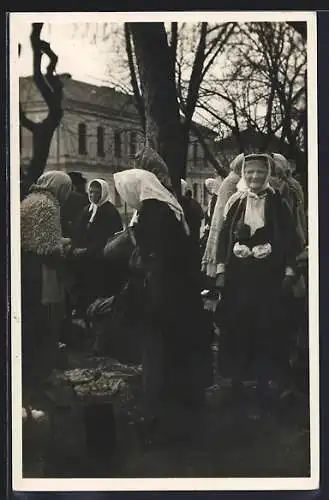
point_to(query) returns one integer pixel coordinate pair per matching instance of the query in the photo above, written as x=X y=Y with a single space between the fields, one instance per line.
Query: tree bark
x=163 y=127
x=51 y=89
x=133 y=77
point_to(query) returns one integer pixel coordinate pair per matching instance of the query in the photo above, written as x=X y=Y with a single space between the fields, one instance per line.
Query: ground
x=234 y=440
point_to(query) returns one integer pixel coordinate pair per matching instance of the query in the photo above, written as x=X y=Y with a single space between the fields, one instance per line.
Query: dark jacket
x=72 y=210
x=194 y=215
x=94 y=236
x=279 y=224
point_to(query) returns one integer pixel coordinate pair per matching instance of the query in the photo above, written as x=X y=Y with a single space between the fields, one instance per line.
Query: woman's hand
x=241 y=251
x=220 y=281
x=302 y=259
x=262 y=251
x=77 y=252
x=66 y=242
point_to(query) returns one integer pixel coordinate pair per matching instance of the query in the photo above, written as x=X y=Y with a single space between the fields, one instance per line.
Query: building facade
x=100 y=134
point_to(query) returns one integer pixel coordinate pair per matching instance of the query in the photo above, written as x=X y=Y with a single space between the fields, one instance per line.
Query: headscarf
x=105 y=195
x=213 y=185
x=57 y=183
x=255 y=207
x=183 y=184
x=242 y=185
x=148 y=159
x=41 y=231
x=136 y=185
x=226 y=190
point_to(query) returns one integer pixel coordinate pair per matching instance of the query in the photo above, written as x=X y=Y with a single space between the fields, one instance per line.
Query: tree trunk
x=51 y=89
x=163 y=126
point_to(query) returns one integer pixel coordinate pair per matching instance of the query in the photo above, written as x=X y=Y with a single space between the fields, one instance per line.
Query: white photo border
x=167 y=484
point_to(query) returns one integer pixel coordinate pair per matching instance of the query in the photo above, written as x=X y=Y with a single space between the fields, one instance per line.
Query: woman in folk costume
x=227 y=188
x=176 y=353
x=148 y=159
x=99 y=221
x=257 y=248
x=43 y=249
x=292 y=194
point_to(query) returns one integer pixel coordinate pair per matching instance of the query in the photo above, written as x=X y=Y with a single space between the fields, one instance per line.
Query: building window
x=117 y=144
x=82 y=129
x=195 y=152
x=195 y=191
x=100 y=141
x=133 y=144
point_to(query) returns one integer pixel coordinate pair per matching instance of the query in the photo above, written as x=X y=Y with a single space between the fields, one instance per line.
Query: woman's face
x=95 y=192
x=255 y=175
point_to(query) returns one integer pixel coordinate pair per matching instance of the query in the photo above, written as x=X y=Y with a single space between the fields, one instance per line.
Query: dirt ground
x=233 y=440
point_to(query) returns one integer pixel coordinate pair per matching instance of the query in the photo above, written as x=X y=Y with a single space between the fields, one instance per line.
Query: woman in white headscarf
x=226 y=189
x=99 y=221
x=43 y=251
x=170 y=305
x=257 y=248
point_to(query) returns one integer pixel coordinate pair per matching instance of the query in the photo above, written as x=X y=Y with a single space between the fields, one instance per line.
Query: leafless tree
x=263 y=86
x=51 y=90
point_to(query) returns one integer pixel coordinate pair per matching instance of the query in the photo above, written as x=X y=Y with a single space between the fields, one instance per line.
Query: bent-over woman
x=177 y=356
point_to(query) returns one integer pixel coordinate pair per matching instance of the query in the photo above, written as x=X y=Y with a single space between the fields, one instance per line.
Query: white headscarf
x=183 y=184
x=105 y=195
x=242 y=185
x=213 y=184
x=136 y=185
x=255 y=207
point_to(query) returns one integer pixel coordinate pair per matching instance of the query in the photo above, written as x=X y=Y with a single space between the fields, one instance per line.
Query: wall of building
x=64 y=150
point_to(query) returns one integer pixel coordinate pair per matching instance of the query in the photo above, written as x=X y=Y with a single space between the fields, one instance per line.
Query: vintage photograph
x=164 y=241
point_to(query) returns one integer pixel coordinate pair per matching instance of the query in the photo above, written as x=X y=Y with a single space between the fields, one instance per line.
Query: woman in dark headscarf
x=257 y=248
x=148 y=159
x=43 y=250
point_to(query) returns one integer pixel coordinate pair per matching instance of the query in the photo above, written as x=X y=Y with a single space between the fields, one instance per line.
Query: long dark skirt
x=177 y=361
x=251 y=343
x=41 y=326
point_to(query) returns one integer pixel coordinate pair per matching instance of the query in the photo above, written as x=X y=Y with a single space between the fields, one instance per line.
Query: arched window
x=100 y=142
x=82 y=134
x=195 y=152
x=117 y=144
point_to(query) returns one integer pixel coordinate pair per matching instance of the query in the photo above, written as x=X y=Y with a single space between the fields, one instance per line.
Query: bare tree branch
x=25 y=121
x=209 y=155
x=133 y=77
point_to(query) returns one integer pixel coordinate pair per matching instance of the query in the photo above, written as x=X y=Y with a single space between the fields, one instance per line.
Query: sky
x=76 y=55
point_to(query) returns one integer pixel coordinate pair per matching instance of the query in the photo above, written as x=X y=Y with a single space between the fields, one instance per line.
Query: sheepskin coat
x=41 y=244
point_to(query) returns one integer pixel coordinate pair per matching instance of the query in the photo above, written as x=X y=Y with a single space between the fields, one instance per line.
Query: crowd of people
x=248 y=260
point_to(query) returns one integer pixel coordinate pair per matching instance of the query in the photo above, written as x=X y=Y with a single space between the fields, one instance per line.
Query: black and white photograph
x=164 y=243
